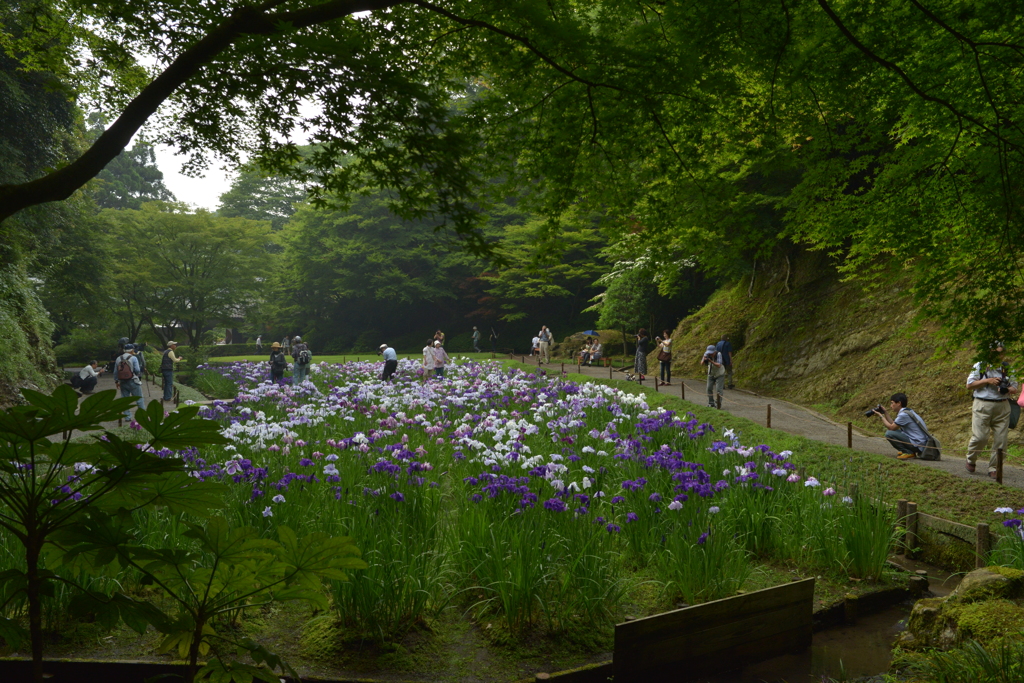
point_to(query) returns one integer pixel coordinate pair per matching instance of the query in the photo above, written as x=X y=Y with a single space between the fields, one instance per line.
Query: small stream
x=864 y=648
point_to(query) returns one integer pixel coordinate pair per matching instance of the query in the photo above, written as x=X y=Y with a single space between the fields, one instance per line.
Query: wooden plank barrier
x=696 y=641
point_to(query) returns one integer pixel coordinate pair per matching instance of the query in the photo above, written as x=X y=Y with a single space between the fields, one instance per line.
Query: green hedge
x=217 y=350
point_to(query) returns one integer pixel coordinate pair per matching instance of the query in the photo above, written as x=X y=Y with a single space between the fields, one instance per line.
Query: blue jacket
x=725 y=348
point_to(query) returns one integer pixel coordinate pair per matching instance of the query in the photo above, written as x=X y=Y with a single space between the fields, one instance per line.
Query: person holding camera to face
x=906 y=432
x=990 y=414
x=716 y=375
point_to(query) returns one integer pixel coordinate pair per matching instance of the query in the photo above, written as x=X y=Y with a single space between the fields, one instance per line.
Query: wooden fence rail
x=695 y=641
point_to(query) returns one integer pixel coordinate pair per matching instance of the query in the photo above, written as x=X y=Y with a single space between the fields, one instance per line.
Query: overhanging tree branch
x=247 y=20
x=961 y=115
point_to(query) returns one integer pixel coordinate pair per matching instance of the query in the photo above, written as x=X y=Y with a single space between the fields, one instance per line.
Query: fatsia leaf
x=176 y=491
x=179 y=429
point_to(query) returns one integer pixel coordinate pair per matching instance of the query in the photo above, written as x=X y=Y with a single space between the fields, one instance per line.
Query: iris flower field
x=520 y=497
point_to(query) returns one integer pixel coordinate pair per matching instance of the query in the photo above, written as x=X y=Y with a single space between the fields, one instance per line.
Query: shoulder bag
x=932 y=448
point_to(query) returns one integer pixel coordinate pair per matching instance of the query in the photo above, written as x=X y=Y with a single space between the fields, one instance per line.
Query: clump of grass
x=213 y=384
x=970 y=663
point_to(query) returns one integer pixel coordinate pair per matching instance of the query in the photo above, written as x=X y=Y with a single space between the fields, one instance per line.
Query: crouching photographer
x=906 y=432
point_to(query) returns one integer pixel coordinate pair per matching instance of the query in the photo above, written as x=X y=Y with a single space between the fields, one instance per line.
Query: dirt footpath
x=795 y=419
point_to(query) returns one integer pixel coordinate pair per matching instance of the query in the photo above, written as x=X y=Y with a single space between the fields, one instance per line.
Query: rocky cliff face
x=802 y=334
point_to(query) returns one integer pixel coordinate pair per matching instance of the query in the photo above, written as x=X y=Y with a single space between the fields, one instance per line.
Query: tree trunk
x=35 y=611
x=193 y=652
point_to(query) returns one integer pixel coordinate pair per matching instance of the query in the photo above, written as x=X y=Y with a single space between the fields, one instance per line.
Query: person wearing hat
x=990 y=414
x=716 y=375
x=300 y=368
x=390 y=361
x=126 y=377
x=278 y=362
x=440 y=358
x=476 y=339
x=167 y=361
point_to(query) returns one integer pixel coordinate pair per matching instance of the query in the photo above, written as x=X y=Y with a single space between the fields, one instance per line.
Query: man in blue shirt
x=906 y=434
x=390 y=362
x=126 y=377
x=725 y=348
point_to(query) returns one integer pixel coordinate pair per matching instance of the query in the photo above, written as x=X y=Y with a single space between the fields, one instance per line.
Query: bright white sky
x=202 y=193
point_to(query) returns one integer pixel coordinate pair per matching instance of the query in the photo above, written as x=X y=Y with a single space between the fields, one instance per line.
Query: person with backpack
x=302 y=357
x=725 y=348
x=126 y=377
x=278 y=362
x=167 y=361
x=907 y=432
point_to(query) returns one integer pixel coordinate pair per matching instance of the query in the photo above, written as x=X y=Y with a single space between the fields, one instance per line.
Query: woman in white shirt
x=428 y=359
x=665 y=357
x=88 y=377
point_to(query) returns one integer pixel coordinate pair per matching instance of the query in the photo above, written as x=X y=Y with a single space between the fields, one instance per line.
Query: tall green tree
x=261 y=197
x=175 y=270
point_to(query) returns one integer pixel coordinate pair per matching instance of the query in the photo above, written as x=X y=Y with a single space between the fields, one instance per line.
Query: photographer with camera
x=990 y=414
x=716 y=375
x=907 y=432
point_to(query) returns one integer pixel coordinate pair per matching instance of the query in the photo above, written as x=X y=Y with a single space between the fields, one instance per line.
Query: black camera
x=708 y=358
x=877 y=408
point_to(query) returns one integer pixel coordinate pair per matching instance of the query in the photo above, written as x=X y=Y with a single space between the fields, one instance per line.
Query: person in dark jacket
x=167 y=361
x=725 y=348
x=278 y=362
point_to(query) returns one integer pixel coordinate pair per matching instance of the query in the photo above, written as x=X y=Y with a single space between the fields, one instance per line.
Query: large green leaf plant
x=53 y=489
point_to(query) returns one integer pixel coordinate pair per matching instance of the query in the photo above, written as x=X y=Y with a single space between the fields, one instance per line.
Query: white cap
x=383 y=346
x=437 y=342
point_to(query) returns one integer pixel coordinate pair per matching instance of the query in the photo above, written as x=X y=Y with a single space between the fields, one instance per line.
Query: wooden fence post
x=682 y=389
x=901 y=520
x=982 y=546
x=609 y=371
x=912 y=539
x=849 y=435
x=768 y=420
x=999 y=466
x=563 y=368
x=656 y=385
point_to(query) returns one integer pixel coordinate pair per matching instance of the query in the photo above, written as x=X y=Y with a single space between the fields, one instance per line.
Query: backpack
x=304 y=357
x=932 y=449
x=124 y=368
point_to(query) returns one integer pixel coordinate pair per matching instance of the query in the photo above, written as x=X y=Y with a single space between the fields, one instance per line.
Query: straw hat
x=275 y=345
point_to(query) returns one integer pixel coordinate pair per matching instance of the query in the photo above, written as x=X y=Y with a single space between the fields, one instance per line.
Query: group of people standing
x=435 y=358
x=128 y=367
x=643 y=347
x=302 y=358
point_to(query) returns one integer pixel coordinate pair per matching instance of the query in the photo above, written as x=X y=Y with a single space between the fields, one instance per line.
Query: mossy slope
x=802 y=334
